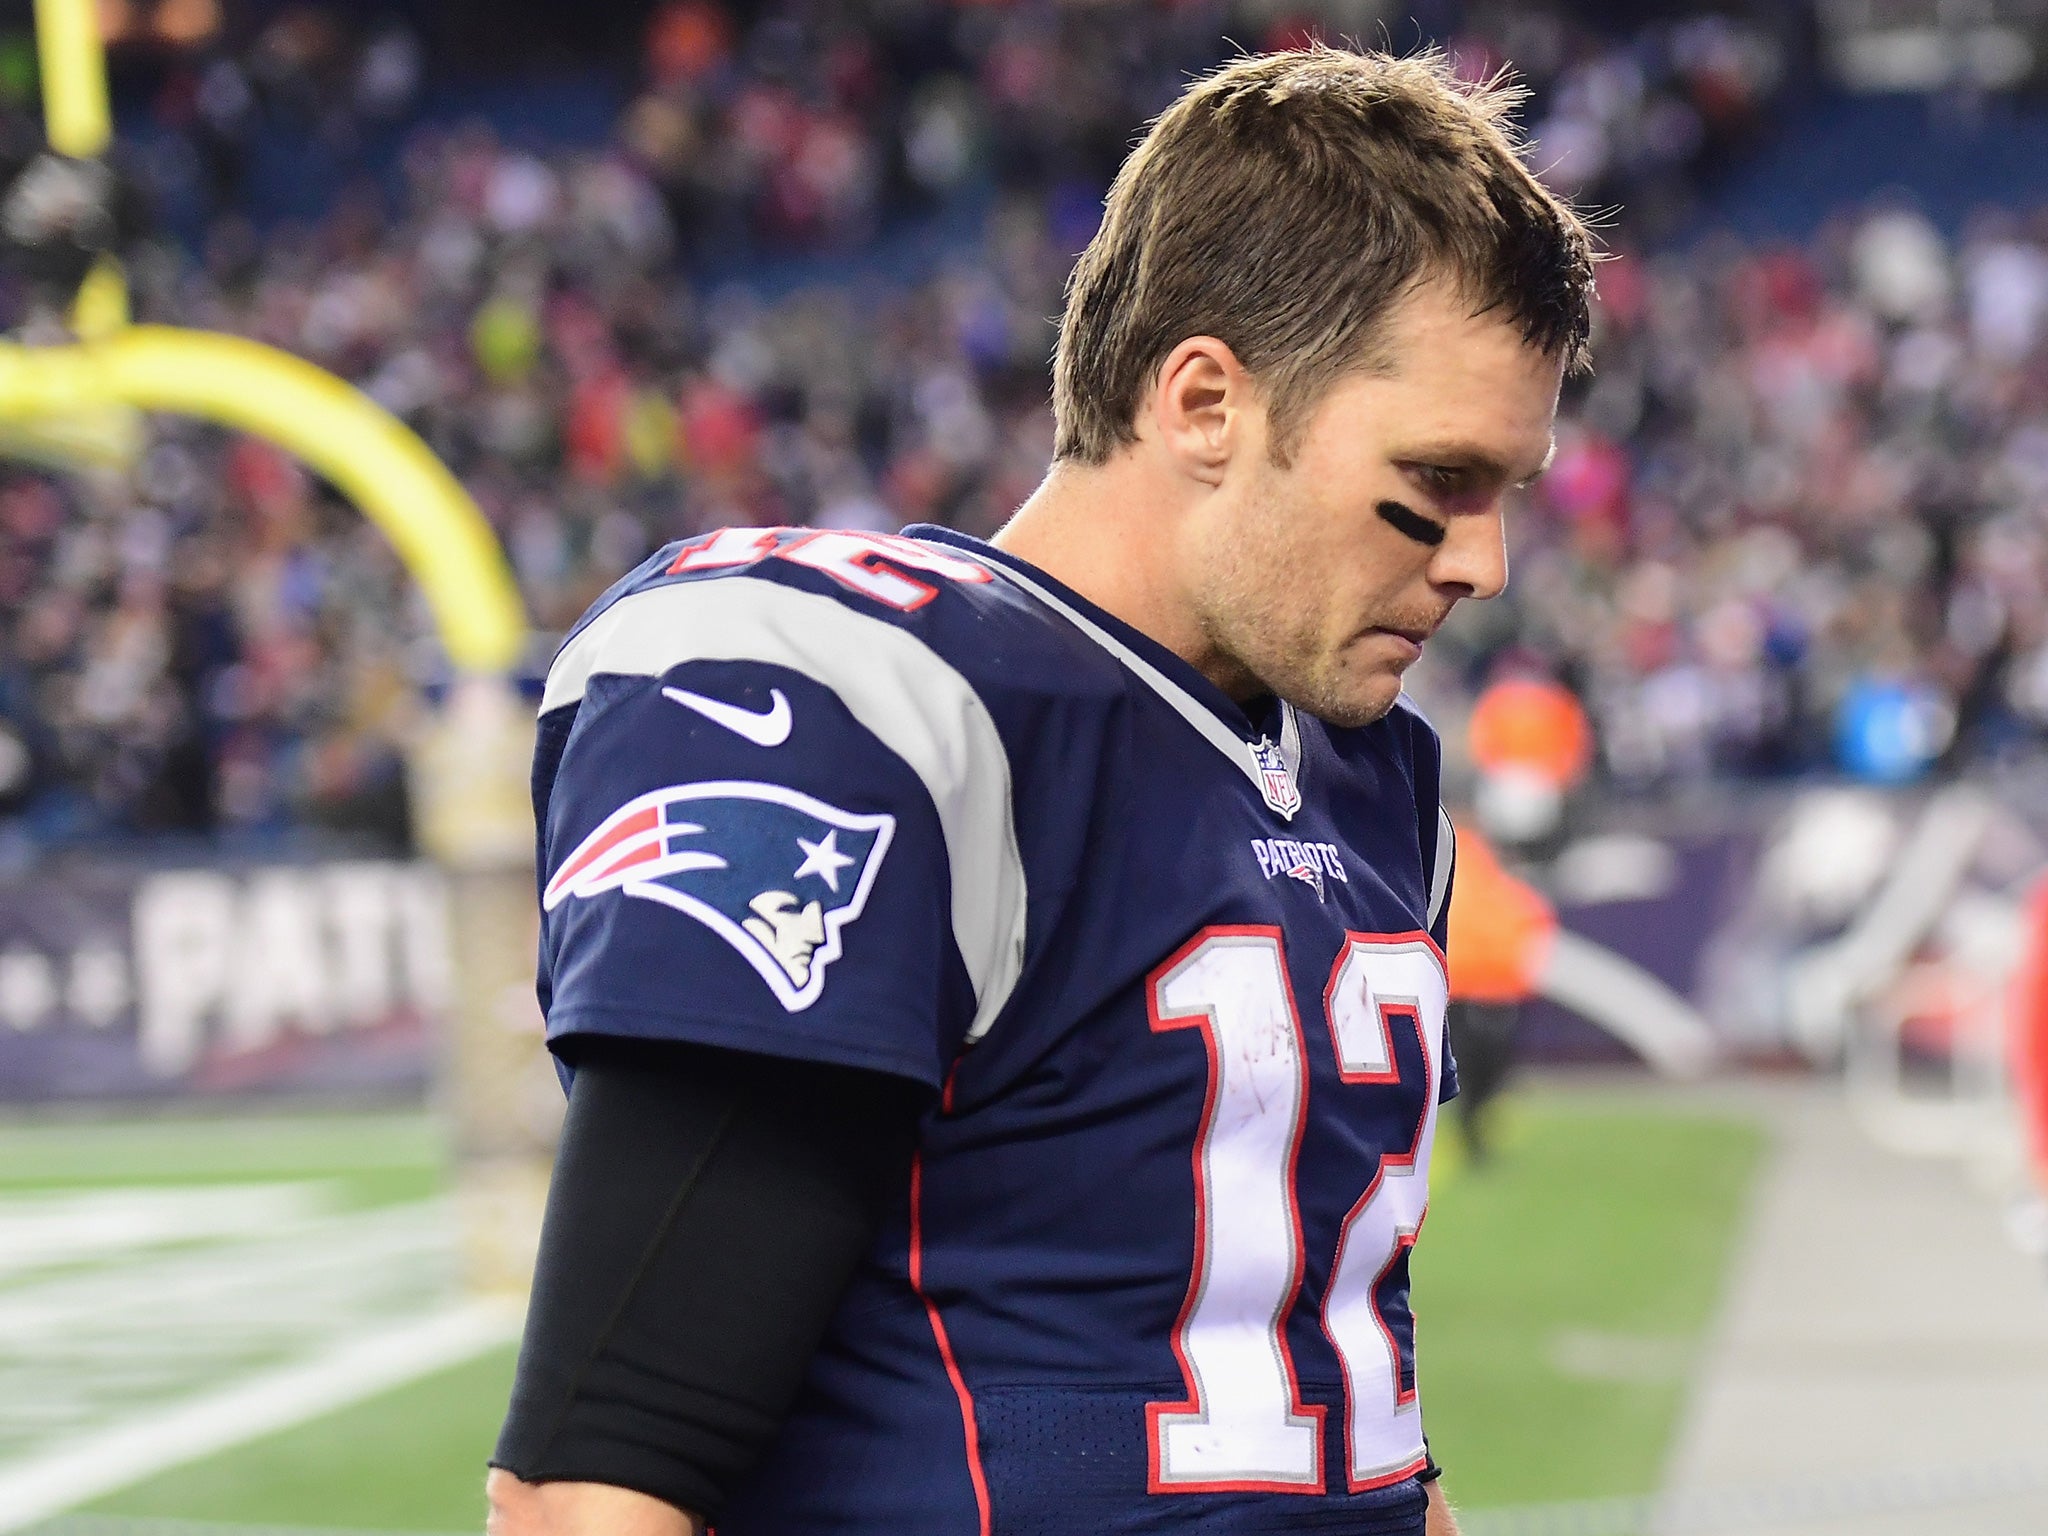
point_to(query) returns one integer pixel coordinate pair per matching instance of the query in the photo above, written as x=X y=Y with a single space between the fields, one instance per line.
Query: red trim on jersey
x=952 y=1077
x=1432 y=1073
x=1386 y=1011
x=726 y=546
x=648 y=852
x=881 y=558
x=1345 y=1074
x=931 y=1308
x=1404 y=1243
x=639 y=823
x=1387 y=1479
x=1412 y=936
x=863 y=561
x=1193 y=1402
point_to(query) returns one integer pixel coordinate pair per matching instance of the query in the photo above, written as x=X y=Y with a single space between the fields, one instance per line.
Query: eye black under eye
x=1406 y=520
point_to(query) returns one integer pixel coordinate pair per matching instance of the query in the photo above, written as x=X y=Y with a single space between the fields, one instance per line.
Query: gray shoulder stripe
x=893 y=683
x=1446 y=860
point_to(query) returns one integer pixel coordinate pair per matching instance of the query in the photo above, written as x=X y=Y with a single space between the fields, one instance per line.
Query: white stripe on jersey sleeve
x=919 y=707
x=1446 y=857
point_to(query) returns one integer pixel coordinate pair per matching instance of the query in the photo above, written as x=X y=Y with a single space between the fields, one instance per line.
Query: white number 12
x=1243 y=1425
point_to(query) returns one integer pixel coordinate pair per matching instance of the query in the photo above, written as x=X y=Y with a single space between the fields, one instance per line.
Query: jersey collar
x=1274 y=767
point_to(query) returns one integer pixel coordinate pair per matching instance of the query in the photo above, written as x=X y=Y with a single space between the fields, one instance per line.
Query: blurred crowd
x=1796 y=474
x=808 y=126
x=1798 y=518
x=816 y=122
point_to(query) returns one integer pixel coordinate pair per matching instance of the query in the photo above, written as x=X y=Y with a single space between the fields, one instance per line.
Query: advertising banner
x=134 y=982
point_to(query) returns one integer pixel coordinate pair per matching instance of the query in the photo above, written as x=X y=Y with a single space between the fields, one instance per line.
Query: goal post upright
x=79 y=402
x=77 y=118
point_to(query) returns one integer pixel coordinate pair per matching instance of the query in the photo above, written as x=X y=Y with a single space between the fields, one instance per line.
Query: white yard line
x=70 y=1473
x=44 y=1230
x=149 y=1292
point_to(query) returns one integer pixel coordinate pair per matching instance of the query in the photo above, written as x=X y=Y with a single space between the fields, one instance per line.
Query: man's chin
x=1350 y=702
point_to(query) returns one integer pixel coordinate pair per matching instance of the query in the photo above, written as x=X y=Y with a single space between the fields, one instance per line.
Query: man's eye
x=1441 y=480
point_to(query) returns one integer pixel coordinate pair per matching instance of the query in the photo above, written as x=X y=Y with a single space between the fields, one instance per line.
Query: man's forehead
x=1442 y=302
x=1474 y=391
x=1434 y=329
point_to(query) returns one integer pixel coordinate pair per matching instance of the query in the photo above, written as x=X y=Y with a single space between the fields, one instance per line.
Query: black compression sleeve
x=707 y=1210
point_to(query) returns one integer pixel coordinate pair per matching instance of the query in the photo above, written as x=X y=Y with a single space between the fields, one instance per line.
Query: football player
x=1001 y=985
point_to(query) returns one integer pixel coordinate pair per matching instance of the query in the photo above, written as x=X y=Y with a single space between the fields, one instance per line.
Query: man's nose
x=1472 y=561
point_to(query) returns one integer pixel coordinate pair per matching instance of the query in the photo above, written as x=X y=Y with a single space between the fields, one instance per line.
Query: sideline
x=1731 y=1511
x=1878 y=1333
x=97 y=1463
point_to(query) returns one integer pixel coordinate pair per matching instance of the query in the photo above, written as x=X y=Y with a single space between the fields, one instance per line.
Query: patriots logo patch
x=774 y=872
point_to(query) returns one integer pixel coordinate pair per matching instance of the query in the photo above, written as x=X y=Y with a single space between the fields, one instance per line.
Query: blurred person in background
x=1501 y=930
x=1531 y=746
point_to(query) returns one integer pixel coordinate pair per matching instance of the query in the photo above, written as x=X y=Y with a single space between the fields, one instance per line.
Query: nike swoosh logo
x=769 y=729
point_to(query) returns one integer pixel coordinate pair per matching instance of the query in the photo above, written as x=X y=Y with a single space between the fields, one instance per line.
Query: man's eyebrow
x=1472 y=457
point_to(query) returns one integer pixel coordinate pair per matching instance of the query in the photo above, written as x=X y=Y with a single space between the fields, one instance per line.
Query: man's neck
x=1105 y=532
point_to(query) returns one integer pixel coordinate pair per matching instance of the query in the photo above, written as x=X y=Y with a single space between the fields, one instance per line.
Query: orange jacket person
x=1501 y=933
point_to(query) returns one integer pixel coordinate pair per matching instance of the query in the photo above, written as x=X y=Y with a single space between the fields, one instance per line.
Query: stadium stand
x=218 y=645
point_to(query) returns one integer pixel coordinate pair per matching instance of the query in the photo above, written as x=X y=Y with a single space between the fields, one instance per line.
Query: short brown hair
x=1282 y=205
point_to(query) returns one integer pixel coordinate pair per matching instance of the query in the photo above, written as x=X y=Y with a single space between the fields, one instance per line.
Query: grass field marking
x=1593 y=1354
x=41 y=1230
x=89 y=1348
x=151 y=1291
x=94 y=1464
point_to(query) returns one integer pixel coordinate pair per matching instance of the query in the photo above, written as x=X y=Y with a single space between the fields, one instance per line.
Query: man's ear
x=1205 y=408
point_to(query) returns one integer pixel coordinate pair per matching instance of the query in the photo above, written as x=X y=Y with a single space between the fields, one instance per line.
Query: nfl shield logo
x=1276 y=779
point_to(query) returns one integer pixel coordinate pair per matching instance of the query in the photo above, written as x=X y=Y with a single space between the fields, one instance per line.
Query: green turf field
x=1563 y=1291
x=1564 y=1288
x=375 y=1158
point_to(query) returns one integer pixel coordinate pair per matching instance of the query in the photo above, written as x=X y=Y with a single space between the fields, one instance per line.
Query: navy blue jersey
x=1172 y=971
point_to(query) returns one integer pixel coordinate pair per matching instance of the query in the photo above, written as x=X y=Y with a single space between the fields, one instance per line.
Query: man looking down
x=1002 y=985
